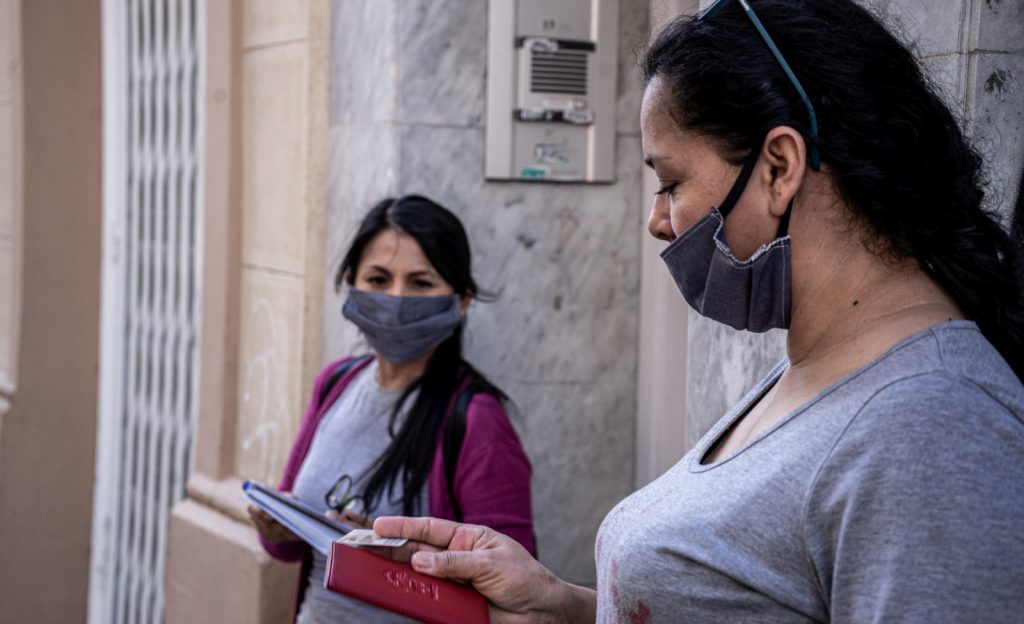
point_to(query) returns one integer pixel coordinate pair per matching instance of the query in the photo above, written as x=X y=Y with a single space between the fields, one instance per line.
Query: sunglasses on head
x=812 y=152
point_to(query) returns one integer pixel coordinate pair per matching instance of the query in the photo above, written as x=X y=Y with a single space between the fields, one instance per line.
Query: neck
x=395 y=376
x=848 y=313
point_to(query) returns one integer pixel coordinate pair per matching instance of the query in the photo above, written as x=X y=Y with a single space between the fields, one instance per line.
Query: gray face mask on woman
x=753 y=294
x=402 y=328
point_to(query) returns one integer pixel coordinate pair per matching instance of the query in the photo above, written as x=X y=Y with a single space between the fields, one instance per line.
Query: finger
x=454 y=564
x=401 y=553
x=258 y=520
x=433 y=531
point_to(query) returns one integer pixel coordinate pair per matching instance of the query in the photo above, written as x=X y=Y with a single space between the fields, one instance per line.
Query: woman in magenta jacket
x=411 y=428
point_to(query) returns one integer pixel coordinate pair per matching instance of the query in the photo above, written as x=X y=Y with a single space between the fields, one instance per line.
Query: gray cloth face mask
x=754 y=294
x=402 y=328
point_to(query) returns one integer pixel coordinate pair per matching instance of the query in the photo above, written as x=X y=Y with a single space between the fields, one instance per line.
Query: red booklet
x=395 y=586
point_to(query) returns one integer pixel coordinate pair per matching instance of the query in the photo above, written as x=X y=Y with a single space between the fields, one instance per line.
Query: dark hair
x=1017 y=230
x=895 y=151
x=443 y=240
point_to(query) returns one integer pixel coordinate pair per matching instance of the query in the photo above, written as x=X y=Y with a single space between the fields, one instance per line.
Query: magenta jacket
x=492 y=475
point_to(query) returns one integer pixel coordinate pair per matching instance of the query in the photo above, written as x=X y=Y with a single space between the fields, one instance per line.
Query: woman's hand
x=519 y=588
x=350 y=518
x=271 y=530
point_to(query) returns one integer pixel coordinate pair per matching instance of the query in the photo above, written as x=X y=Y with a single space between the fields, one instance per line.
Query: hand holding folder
x=516 y=586
x=312 y=526
x=388 y=584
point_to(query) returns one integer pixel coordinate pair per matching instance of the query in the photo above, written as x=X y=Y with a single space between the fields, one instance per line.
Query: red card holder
x=395 y=586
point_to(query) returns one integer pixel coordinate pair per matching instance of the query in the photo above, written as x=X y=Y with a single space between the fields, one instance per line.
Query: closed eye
x=667 y=189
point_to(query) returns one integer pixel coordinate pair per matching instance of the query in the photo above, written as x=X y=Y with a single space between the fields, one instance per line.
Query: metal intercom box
x=551 y=89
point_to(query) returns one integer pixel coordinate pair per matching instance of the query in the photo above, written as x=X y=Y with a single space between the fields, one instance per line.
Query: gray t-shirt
x=895 y=495
x=349 y=439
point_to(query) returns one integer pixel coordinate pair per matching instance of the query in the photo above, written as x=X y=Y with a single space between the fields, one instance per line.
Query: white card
x=366 y=537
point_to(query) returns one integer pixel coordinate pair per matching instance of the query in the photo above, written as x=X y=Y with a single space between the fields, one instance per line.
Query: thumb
x=464 y=565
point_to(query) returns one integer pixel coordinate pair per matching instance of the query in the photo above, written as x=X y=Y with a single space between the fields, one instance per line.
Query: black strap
x=454 y=433
x=338 y=373
x=740 y=184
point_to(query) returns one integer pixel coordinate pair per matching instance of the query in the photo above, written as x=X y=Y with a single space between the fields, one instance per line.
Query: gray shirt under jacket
x=348 y=441
x=894 y=495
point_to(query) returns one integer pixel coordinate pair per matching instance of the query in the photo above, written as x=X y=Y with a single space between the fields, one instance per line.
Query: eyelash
x=667 y=189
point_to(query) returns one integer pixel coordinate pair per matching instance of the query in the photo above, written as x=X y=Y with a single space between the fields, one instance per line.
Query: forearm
x=565 y=603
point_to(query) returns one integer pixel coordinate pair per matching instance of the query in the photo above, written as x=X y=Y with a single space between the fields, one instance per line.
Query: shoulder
x=332 y=366
x=486 y=412
x=930 y=412
x=488 y=425
x=934 y=395
x=923 y=439
x=947 y=380
x=484 y=404
x=929 y=463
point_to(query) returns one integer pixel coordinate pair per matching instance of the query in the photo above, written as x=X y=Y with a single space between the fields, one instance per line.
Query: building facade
x=178 y=181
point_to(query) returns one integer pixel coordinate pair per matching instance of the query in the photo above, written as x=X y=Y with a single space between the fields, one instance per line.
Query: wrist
x=568 y=603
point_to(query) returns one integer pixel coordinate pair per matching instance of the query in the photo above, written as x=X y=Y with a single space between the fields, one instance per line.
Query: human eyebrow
x=379 y=269
x=423 y=273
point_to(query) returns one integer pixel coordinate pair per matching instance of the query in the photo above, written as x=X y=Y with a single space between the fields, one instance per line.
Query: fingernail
x=423 y=561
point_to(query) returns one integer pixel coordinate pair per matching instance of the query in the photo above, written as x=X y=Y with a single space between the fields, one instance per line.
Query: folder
x=395 y=586
x=315 y=528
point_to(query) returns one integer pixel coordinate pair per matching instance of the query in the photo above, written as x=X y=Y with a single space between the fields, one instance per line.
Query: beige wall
x=50 y=245
x=260 y=345
x=284 y=129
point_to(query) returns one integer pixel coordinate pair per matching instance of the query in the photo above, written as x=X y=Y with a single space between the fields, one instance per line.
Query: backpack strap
x=338 y=373
x=454 y=433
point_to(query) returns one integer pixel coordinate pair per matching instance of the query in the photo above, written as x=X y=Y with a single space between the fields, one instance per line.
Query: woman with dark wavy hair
x=812 y=180
x=410 y=428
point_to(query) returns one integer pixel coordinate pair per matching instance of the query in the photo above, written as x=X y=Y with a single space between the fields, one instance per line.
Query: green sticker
x=533 y=173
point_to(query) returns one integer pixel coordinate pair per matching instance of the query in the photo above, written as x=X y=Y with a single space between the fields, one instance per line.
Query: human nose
x=397 y=289
x=659 y=223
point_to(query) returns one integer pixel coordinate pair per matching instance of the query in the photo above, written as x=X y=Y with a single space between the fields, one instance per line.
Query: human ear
x=785 y=153
x=464 y=301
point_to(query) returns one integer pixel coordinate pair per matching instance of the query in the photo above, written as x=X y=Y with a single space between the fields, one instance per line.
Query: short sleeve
x=916 y=514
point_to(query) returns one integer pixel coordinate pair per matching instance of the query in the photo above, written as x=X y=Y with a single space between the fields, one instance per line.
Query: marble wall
x=10 y=191
x=974 y=52
x=407 y=110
